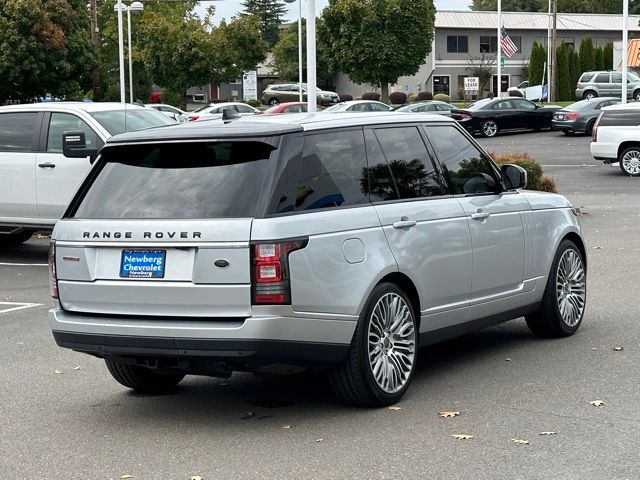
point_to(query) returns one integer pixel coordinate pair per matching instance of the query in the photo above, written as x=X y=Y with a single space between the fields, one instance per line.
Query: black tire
x=489 y=128
x=630 y=168
x=273 y=102
x=353 y=380
x=13 y=239
x=589 y=94
x=141 y=379
x=636 y=95
x=548 y=321
x=589 y=129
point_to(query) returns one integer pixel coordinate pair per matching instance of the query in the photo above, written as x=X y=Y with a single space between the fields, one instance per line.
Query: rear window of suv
x=190 y=181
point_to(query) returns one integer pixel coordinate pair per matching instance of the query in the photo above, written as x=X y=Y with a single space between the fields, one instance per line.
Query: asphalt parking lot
x=64 y=417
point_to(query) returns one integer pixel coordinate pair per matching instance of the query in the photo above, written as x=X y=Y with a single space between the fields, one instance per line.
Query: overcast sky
x=229 y=8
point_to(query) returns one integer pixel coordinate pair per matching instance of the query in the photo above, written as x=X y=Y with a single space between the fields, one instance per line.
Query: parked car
x=359 y=106
x=616 y=137
x=607 y=84
x=530 y=92
x=272 y=243
x=429 y=106
x=491 y=116
x=290 y=92
x=287 y=107
x=214 y=111
x=580 y=117
x=36 y=181
x=170 y=111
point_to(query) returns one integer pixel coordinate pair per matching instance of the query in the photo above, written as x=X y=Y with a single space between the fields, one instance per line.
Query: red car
x=288 y=107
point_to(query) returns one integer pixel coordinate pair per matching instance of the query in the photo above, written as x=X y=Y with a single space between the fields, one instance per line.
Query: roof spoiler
x=229 y=115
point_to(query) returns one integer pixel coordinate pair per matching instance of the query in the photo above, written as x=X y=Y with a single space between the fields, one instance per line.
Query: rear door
x=603 y=84
x=164 y=230
x=493 y=219
x=19 y=133
x=529 y=116
x=58 y=177
x=425 y=227
x=507 y=116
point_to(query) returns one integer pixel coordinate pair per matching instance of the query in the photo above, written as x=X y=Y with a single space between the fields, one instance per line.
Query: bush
x=422 y=96
x=346 y=98
x=253 y=103
x=171 y=98
x=516 y=93
x=412 y=98
x=443 y=97
x=371 y=96
x=398 y=98
x=535 y=179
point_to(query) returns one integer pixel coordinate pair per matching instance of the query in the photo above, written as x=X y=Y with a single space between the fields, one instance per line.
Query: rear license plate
x=142 y=263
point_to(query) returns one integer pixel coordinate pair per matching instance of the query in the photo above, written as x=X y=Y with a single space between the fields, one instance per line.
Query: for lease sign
x=471 y=84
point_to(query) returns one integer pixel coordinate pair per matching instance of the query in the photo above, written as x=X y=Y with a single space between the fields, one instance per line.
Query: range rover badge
x=221 y=263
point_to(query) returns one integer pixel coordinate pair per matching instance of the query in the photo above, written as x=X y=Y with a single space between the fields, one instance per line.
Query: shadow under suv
x=342 y=243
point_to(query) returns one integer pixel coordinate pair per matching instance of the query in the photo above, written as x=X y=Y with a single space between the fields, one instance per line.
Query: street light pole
x=625 y=48
x=312 y=88
x=300 y=48
x=129 y=50
x=121 y=52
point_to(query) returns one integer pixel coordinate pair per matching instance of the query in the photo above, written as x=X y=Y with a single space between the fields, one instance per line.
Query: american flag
x=509 y=48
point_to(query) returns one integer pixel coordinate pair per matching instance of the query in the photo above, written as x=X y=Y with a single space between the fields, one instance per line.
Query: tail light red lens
x=572 y=115
x=271 y=281
x=594 y=131
x=53 y=276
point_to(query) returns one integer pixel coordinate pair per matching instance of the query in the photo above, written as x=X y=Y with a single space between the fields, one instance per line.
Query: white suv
x=36 y=180
x=616 y=137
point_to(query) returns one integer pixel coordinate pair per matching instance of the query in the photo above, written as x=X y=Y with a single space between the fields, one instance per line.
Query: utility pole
x=554 y=56
x=95 y=39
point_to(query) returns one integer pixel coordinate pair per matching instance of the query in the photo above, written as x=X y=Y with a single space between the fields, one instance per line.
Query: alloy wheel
x=391 y=342
x=571 y=287
x=489 y=128
x=631 y=162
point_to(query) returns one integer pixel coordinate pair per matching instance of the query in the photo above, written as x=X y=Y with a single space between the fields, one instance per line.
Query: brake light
x=573 y=115
x=53 y=276
x=594 y=131
x=271 y=281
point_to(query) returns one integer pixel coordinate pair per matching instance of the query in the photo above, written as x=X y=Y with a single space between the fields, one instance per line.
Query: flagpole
x=549 y=66
x=625 y=48
x=499 y=57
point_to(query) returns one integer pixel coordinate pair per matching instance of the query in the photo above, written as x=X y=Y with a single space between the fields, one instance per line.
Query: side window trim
x=44 y=131
x=46 y=127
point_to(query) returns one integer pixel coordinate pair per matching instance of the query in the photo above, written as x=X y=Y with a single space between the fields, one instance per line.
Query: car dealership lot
x=65 y=422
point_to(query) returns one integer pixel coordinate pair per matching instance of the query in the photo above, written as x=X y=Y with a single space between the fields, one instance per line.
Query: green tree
x=377 y=41
x=599 y=59
x=270 y=13
x=608 y=56
x=482 y=67
x=536 y=63
x=583 y=6
x=563 y=76
x=508 y=5
x=45 y=47
x=285 y=57
x=574 y=71
x=587 y=55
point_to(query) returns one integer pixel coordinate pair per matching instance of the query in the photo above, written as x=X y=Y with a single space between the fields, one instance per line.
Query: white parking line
x=7 y=264
x=13 y=306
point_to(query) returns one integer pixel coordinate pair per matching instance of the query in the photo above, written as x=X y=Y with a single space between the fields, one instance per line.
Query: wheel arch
x=577 y=240
x=407 y=286
x=624 y=145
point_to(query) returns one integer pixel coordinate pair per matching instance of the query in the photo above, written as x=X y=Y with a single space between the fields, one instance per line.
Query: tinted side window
x=602 y=78
x=378 y=107
x=331 y=175
x=523 y=104
x=585 y=77
x=17 y=130
x=467 y=169
x=409 y=165
x=620 y=118
x=65 y=122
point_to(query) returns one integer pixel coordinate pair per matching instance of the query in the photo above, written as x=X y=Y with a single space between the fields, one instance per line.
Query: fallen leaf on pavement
x=318 y=440
x=518 y=441
x=547 y=433
x=507 y=360
x=462 y=436
x=618 y=349
x=597 y=248
x=248 y=415
x=597 y=403
x=195 y=477
x=126 y=477
x=286 y=427
x=57 y=372
x=449 y=414
x=77 y=368
x=395 y=408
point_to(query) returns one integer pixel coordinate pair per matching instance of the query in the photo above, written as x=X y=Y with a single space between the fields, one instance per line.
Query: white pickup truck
x=36 y=180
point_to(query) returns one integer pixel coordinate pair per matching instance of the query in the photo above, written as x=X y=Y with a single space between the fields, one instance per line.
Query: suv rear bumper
x=254 y=340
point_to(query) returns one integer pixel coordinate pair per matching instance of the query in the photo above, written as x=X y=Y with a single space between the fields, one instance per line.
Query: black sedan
x=490 y=116
x=580 y=117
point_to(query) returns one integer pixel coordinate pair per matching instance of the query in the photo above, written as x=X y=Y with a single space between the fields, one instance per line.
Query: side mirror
x=74 y=145
x=514 y=177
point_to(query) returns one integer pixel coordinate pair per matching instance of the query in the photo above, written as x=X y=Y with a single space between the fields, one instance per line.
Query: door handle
x=404 y=223
x=47 y=165
x=480 y=215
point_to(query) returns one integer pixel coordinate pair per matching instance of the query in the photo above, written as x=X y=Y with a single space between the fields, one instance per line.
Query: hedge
x=535 y=179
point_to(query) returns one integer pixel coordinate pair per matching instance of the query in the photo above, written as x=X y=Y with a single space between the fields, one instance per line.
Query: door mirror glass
x=514 y=177
x=74 y=145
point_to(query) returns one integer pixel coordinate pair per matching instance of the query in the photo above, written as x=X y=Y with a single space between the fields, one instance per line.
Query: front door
x=493 y=219
x=58 y=177
x=427 y=229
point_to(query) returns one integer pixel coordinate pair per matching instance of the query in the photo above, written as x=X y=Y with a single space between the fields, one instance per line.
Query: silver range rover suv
x=278 y=243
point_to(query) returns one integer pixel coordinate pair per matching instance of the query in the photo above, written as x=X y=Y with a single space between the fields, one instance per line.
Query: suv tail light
x=594 y=131
x=271 y=281
x=53 y=276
